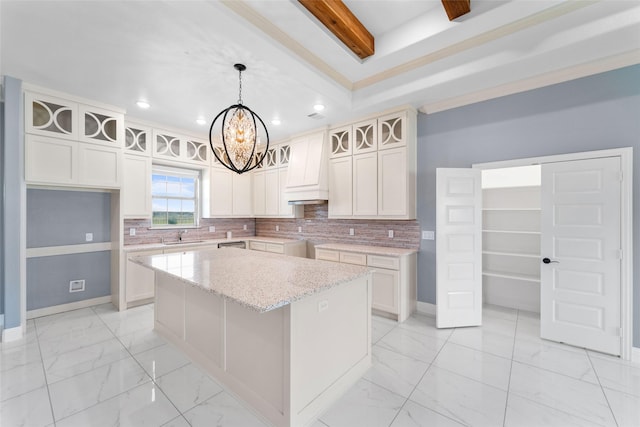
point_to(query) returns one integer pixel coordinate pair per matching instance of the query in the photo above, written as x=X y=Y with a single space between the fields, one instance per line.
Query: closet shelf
x=523 y=277
x=521 y=255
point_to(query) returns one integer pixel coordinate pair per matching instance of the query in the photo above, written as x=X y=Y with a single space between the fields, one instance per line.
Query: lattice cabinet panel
x=340 y=142
x=48 y=115
x=101 y=126
x=137 y=139
x=166 y=145
x=271 y=159
x=392 y=131
x=365 y=137
x=284 y=154
x=197 y=151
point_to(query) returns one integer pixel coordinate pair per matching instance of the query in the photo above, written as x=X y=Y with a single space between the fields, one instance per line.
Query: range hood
x=307 y=179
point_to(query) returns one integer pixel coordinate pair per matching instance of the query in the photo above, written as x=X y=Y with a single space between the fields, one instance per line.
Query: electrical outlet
x=323 y=305
x=88 y=237
x=351 y=232
x=244 y=227
x=428 y=235
x=277 y=228
x=391 y=234
x=212 y=229
x=132 y=232
x=76 y=285
x=299 y=229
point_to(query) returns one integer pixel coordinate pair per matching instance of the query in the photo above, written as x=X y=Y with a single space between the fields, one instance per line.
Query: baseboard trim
x=11 y=334
x=426 y=308
x=46 y=311
x=635 y=354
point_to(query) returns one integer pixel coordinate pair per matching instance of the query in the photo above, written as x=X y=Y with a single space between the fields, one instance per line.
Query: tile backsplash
x=315 y=227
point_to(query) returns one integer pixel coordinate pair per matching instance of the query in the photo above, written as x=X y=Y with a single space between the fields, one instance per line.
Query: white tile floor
x=99 y=367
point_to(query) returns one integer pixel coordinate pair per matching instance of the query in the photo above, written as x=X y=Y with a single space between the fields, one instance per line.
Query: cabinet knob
x=548 y=261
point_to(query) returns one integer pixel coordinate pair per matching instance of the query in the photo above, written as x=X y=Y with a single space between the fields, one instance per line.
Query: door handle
x=548 y=261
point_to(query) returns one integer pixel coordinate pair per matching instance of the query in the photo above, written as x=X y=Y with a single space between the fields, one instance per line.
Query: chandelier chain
x=240 y=87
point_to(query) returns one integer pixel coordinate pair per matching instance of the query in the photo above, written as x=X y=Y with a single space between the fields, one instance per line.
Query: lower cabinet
x=394 y=279
x=293 y=248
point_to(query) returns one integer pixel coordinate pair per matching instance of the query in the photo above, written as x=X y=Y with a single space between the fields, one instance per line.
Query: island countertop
x=257 y=280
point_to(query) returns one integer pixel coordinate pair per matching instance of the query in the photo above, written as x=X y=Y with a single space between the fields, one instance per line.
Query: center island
x=286 y=335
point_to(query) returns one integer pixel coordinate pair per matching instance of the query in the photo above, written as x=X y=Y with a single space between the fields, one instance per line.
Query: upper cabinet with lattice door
x=50 y=116
x=392 y=130
x=170 y=145
x=340 y=144
x=137 y=139
x=100 y=126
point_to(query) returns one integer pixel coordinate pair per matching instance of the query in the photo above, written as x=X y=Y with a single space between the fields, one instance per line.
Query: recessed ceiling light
x=318 y=107
x=275 y=122
x=201 y=121
x=143 y=104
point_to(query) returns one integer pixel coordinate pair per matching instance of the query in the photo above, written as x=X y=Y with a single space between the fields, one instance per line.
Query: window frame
x=181 y=172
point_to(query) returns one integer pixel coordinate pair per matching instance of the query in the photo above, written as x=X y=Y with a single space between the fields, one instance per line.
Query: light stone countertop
x=366 y=249
x=213 y=242
x=258 y=280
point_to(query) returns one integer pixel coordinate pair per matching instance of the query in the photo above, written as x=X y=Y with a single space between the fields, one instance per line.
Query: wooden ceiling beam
x=456 y=8
x=338 y=19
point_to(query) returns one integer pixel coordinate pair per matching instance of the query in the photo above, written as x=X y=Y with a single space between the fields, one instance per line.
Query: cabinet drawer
x=353 y=258
x=257 y=246
x=384 y=262
x=275 y=248
x=328 y=255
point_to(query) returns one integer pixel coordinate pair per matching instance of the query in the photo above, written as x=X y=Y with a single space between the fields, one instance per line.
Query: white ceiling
x=179 y=55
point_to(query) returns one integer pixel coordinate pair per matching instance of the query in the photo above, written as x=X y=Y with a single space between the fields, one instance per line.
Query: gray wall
x=13 y=195
x=1 y=202
x=592 y=113
x=57 y=218
x=48 y=278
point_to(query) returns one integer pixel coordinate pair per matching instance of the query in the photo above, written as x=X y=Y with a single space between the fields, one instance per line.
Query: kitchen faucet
x=180 y=233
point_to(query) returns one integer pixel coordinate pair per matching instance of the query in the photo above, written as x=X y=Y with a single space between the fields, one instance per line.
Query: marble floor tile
x=69 y=327
x=188 y=386
x=380 y=326
x=108 y=313
x=483 y=339
x=13 y=357
x=425 y=325
x=224 y=411
x=413 y=344
x=142 y=340
x=576 y=397
x=161 y=360
x=498 y=312
x=625 y=407
x=142 y=405
x=84 y=359
x=74 y=340
x=394 y=371
x=141 y=320
x=78 y=393
x=499 y=325
x=617 y=374
x=477 y=365
x=414 y=415
x=555 y=357
x=31 y=409
x=467 y=401
x=522 y=412
x=364 y=405
x=20 y=380
x=177 y=422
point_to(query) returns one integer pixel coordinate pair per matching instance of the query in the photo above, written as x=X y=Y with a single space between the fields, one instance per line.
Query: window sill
x=173 y=227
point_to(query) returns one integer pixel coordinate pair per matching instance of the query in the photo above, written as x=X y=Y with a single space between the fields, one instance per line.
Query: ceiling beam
x=338 y=19
x=456 y=8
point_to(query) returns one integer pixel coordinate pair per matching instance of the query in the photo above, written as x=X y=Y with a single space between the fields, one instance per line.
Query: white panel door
x=365 y=184
x=242 y=194
x=340 y=187
x=458 y=248
x=580 y=271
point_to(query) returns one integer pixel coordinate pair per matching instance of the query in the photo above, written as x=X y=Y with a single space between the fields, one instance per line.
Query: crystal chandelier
x=235 y=140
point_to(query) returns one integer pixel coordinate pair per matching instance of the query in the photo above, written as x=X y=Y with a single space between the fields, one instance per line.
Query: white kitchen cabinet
x=169 y=145
x=101 y=126
x=383 y=168
x=136 y=186
x=365 y=185
x=137 y=139
x=99 y=166
x=272 y=193
x=221 y=201
x=341 y=187
x=284 y=208
x=394 y=278
x=139 y=280
x=242 y=194
x=50 y=116
x=259 y=189
x=71 y=163
x=278 y=246
x=395 y=198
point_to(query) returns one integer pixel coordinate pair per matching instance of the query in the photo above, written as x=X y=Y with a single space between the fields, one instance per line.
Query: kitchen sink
x=179 y=242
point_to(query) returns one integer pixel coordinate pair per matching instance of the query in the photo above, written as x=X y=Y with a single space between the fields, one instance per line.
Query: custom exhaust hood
x=307 y=178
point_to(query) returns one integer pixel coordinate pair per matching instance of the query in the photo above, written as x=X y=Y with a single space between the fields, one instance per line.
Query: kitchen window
x=175 y=196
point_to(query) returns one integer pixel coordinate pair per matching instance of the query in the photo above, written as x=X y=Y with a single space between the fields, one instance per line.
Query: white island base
x=289 y=364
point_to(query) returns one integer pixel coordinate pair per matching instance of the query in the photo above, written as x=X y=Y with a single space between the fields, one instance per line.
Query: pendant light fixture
x=236 y=140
